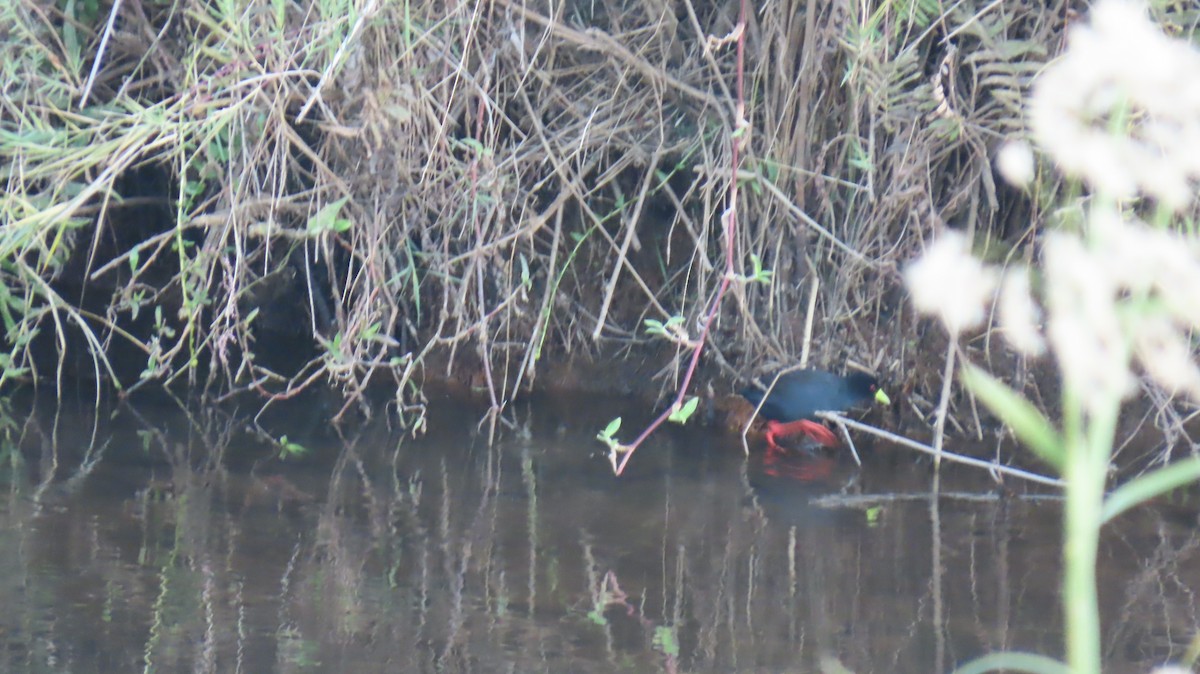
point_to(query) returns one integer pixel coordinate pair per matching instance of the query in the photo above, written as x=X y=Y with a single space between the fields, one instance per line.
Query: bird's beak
x=882 y=398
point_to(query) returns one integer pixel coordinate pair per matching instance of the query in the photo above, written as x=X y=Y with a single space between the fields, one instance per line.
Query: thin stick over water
x=991 y=466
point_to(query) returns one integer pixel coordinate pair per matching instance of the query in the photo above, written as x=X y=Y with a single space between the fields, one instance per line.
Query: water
x=380 y=553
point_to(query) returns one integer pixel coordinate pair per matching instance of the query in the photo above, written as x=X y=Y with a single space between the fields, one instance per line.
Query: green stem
x=1086 y=472
x=1080 y=601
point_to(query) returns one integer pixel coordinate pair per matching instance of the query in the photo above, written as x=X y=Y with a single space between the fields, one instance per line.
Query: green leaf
x=193 y=188
x=654 y=327
x=7 y=368
x=666 y=641
x=771 y=169
x=70 y=34
x=613 y=427
x=288 y=448
x=475 y=146
x=326 y=219
x=682 y=413
x=135 y=303
x=610 y=430
x=760 y=275
x=873 y=515
x=1146 y=487
x=1018 y=413
x=219 y=148
x=1012 y=660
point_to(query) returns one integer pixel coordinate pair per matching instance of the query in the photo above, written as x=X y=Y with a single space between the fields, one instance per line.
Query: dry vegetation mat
x=265 y=196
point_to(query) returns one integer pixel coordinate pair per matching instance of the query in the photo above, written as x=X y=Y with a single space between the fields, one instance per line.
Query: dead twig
x=995 y=468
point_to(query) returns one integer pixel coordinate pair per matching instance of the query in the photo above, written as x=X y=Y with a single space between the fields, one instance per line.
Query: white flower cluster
x=948 y=281
x=1120 y=290
x=1121 y=108
x=1129 y=290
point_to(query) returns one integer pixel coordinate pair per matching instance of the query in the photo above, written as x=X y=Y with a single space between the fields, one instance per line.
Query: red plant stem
x=730 y=241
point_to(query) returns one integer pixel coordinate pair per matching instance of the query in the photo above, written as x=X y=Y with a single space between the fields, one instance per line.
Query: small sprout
x=873 y=514
x=682 y=413
x=476 y=147
x=760 y=275
x=371 y=331
x=655 y=327
x=136 y=302
x=336 y=344
x=288 y=448
x=666 y=640
x=526 y=280
x=672 y=329
x=615 y=448
x=606 y=435
x=152 y=361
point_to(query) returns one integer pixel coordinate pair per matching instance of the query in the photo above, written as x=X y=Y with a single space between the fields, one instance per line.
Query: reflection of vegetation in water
x=453 y=555
x=1115 y=113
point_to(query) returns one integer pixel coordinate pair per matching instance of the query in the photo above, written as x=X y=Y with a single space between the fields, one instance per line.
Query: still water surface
x=377 y=552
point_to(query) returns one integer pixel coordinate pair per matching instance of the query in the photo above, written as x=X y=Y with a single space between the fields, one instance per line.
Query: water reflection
x=379 y=553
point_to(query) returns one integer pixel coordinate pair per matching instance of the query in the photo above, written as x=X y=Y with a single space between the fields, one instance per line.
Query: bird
x=792 y=404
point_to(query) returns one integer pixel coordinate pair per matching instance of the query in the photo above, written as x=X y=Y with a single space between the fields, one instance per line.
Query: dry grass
x=369 y=185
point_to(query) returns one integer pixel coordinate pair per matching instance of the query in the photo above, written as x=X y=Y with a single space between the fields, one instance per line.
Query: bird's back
x=800 y=395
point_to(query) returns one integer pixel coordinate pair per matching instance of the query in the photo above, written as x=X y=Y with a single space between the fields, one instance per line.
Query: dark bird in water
x=792 y=404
